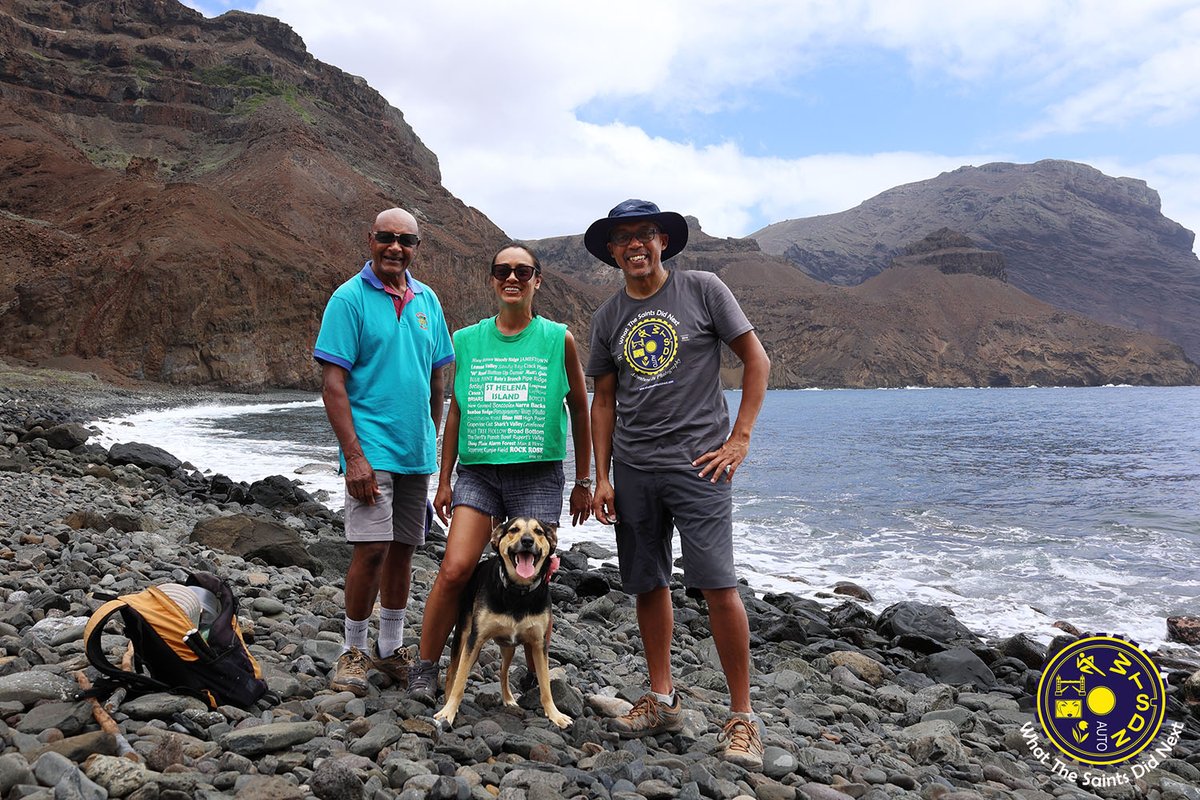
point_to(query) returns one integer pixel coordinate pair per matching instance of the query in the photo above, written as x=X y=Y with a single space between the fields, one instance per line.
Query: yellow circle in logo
x=1101 y=700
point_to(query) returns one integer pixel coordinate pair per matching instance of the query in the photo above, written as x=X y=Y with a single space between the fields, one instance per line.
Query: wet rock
x=1184 y=629
x=920 y=619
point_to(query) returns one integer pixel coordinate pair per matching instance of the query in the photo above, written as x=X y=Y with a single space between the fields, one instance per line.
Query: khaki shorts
x=397 y=515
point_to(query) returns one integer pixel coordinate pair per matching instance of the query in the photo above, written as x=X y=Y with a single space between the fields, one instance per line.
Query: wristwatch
x=584 y=482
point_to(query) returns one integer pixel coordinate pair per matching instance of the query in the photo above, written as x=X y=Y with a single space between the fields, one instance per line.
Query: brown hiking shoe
x=648 y=717
x=350 y=673
x=395 y=666
x=743 y=746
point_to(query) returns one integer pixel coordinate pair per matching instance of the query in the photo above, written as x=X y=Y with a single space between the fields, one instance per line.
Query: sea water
x=1015 y=507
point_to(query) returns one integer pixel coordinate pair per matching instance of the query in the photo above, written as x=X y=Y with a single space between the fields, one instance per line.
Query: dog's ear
x=551 y=534
x=497 y=533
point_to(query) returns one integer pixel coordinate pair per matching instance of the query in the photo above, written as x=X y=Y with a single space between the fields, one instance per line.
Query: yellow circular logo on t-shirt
x=651 y=346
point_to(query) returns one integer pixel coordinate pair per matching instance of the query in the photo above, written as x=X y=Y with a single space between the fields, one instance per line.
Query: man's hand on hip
x=725 y=460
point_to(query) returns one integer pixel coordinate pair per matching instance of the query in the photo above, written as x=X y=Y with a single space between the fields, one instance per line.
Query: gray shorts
x=649 y=505
x=503 y=491
x=397 y=515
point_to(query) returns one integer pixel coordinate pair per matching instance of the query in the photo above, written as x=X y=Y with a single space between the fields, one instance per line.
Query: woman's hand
x=442 y=501
x=581 y=504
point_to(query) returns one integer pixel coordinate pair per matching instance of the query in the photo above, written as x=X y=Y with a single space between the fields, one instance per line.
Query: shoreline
x=849 y=704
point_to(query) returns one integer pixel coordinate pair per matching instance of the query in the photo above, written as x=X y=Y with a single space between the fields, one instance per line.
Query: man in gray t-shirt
x=660 y=422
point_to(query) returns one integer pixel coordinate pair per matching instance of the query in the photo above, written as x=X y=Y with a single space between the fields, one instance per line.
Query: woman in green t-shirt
x=517 y=380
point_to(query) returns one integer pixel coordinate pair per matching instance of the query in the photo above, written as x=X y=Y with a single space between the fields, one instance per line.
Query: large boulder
x=255 y=537
x=920 y=619
x=958 y=666
x=276 y=491
x=142 y=455
x=68 y=436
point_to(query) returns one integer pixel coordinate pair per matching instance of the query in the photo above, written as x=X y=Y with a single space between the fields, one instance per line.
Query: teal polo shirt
x=389 y=356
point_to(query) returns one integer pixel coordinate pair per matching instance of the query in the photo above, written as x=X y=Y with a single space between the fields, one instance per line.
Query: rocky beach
x=904 y=704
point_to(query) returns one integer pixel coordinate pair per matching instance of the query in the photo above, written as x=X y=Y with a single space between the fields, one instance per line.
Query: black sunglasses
x=523 y=272
x=387 y=238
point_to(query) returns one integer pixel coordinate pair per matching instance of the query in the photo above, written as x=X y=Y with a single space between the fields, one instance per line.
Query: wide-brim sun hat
x=670 y=223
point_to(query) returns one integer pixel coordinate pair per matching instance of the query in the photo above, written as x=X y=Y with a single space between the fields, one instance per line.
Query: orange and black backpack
x=217 y=668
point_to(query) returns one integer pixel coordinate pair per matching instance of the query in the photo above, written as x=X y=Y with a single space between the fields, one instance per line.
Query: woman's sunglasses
x=523 y=272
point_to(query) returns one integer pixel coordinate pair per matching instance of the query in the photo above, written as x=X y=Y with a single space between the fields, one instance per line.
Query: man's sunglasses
x=387 y=238
x=523 y=272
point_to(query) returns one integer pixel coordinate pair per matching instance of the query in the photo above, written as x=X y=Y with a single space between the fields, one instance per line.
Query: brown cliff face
x=181 y=195
x=1070 y=236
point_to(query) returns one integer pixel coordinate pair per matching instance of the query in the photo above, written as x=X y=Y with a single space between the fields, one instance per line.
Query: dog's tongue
x=525 y=565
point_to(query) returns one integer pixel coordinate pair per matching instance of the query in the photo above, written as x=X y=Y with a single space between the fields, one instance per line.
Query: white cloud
x=494 y=89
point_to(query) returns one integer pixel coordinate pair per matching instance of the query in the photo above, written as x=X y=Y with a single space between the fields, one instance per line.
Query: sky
x=544 y=114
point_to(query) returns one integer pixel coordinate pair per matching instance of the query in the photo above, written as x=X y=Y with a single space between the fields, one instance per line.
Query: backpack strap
x=113 y=675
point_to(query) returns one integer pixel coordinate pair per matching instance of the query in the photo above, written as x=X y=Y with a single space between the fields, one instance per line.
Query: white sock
x=391 y=630
x=665 y=699
x=356 y=634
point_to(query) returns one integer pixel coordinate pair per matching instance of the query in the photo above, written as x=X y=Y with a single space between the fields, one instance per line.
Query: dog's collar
x=516 y=587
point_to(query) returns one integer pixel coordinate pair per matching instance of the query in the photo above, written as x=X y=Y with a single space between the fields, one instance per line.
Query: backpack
x=179 y=659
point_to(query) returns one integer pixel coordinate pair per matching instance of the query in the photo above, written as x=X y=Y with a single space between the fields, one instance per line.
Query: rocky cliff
x=179 y=196
x=1070 y=235
x=953 y=254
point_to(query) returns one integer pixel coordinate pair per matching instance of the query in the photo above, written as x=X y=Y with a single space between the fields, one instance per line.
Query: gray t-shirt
x=666 y=352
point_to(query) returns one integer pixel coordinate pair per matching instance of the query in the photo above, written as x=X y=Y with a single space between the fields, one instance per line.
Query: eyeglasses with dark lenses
x=643 y=235
x=387 y=238
x=523 y=272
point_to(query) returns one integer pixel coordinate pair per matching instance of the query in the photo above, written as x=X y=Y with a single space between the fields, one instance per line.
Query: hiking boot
x=648 y=717
x=743 y=746
x=395 y=666
x=350 y=673
x=423 y=681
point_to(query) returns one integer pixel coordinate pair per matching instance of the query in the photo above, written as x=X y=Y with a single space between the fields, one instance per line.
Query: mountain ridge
x=1071 y=236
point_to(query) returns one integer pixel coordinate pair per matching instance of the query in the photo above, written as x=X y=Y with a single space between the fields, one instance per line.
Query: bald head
x=396 y=219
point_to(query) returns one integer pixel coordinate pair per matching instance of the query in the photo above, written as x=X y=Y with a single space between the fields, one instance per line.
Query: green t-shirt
x=511 y=393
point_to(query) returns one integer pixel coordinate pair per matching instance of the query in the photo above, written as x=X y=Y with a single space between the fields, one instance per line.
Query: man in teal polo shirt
x=382 y=346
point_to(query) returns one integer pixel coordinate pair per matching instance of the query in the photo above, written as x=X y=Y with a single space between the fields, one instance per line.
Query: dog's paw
x=560 y=719
x=446 y=716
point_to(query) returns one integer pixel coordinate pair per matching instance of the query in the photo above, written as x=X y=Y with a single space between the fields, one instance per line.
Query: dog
x=507 y=600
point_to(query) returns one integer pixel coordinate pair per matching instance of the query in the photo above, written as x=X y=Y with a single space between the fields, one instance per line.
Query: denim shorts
x=502 y=491
x=650 y=505
x=397 y=515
